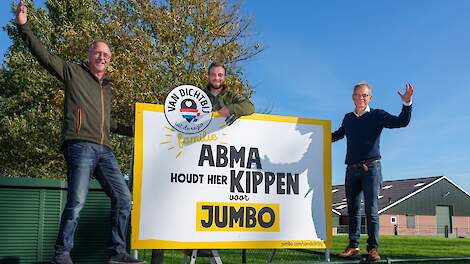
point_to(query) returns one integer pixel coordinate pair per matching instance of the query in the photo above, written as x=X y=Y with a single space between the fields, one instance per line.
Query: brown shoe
x=349 y=252
x=374 y=255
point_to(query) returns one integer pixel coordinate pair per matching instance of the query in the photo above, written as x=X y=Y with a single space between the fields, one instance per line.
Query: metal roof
x=392 y=192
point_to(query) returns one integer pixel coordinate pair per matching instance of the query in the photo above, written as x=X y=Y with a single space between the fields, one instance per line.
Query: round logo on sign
x=188 y=109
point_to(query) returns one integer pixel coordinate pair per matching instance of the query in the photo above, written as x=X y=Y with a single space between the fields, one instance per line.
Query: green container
x=30 y=212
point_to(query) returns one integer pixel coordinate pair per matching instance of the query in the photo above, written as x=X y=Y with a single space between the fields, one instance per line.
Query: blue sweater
x=363 y=133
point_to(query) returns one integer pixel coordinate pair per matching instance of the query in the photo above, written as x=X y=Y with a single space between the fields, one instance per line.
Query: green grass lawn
x=396 y=247
x=412 y=246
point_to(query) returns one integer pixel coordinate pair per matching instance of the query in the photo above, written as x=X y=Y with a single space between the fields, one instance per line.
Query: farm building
x=422 y=206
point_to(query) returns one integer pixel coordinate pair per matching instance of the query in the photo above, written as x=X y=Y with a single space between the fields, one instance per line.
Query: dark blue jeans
x=83 y=160
x=368 y=183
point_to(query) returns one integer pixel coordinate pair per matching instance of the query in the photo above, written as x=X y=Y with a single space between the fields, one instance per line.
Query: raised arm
x=402 y=120
x=406 y=97
x=21 y=13
x=52 y=63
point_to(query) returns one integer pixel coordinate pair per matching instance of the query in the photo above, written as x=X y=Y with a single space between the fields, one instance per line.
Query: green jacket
x=87 y=106
x=236 y=103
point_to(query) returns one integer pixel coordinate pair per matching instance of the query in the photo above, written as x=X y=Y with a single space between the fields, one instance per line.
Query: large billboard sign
x=262 y=182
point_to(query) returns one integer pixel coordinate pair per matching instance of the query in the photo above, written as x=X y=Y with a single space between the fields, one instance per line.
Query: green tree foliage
x=156 y=45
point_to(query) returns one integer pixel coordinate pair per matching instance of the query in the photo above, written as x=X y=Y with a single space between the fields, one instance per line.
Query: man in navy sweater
x=362 y=129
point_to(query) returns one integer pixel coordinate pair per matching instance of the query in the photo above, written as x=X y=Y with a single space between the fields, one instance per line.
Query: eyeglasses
x=361 y=95
x=105 y=55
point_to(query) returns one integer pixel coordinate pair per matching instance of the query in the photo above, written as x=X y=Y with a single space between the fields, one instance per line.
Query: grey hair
x=366 y=84
x=92 y=45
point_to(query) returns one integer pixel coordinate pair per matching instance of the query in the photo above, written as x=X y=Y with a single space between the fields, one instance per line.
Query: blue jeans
x=368 y=183
x=83 y=160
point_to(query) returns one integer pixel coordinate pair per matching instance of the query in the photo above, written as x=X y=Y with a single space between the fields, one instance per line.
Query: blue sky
x=317 y=50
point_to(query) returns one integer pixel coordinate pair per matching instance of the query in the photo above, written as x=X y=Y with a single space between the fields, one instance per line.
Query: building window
x=410 y=221
x=393 y=219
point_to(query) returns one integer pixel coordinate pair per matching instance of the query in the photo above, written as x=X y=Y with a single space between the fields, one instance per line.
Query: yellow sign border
x=167 y=244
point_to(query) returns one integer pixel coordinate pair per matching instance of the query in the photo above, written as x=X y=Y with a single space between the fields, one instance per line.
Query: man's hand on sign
x=224 y=111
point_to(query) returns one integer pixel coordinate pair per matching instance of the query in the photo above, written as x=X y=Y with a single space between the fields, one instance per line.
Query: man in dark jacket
x=229 y=104
x=226 y=103
x=362 y=129
x=85 y=141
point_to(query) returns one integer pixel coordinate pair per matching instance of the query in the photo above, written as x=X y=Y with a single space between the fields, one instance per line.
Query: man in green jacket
x=227 y=103
x=85 y=141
